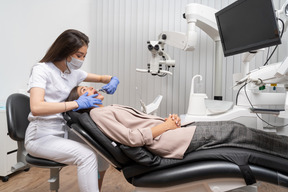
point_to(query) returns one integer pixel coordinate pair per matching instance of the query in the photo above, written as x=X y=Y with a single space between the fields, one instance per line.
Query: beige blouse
x=130 y=127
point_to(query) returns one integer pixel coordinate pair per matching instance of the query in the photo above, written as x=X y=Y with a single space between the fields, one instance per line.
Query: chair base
x=209 y=185
x=54 y=179
x=54 y=167
x=19 y=167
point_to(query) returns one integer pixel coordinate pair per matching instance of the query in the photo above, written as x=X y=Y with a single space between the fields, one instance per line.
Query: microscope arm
x=196 y=15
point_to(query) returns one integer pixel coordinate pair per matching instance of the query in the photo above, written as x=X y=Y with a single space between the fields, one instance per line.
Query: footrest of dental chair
x=202 y=171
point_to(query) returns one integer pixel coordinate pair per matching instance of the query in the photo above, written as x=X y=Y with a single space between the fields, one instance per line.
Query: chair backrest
x=17 y=111
x=99 y=140
x=117 y=153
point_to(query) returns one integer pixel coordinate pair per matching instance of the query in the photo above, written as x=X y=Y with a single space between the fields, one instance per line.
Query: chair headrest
x=72 y=117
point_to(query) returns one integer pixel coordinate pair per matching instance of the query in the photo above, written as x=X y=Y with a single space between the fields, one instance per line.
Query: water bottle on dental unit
x=196 y=101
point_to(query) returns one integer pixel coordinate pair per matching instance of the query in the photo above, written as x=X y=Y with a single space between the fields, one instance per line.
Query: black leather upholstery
x=94 y=132
x=17 y=111
x=42 y=162
x=199 y=165
x=202 y=170
x=208 y=164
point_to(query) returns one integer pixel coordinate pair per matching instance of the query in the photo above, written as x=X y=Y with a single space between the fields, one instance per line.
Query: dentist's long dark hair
x=67 y=43
x=73 y=94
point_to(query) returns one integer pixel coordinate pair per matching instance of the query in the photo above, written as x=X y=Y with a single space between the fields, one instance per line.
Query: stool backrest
x=17 y=111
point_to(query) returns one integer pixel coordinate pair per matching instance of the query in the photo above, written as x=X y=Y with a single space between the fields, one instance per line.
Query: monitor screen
x=247 y=25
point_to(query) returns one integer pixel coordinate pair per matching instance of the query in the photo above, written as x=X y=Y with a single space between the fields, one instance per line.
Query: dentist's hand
x=86 y=102
x=111 y=87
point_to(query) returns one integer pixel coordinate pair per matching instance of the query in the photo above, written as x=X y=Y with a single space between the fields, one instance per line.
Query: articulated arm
x=276 y=73
x=196 y=15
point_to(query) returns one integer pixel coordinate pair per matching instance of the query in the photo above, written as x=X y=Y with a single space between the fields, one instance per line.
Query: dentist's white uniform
x=47 y=136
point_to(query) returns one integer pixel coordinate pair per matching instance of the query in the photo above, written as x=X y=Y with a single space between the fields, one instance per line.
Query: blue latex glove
x=111 y=87
x=86 y=102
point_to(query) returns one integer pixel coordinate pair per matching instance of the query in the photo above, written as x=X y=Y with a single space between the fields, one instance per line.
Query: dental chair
x=213 y=170
x=17 y=111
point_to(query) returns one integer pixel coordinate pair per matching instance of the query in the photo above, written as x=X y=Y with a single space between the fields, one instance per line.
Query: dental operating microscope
x=247 y=109
x=196 y=15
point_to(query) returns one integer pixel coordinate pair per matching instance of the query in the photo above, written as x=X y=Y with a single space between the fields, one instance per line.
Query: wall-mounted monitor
x=247 y=25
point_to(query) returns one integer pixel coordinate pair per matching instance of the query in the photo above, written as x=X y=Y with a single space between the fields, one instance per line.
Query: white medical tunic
x=57 y=86
x=46 y=136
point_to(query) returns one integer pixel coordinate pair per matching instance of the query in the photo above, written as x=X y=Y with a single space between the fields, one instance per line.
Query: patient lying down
x=169 y=139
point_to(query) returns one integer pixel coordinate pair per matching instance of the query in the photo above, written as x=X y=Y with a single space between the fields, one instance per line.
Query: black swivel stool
x=17 y=111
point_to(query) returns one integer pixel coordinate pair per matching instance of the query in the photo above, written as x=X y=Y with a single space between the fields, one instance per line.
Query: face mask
x=74 y=63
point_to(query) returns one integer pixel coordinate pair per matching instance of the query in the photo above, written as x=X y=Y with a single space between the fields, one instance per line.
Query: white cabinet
x=8 y=148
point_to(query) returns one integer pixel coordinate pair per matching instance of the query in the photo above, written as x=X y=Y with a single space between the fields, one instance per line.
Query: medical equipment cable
x=267 y=56
x=270 y=55
x=276 y=45
x=244 y=86
x=239 y=92
x=276 y=126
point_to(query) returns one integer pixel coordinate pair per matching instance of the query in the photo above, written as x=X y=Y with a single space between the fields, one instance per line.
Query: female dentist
x=50 y=83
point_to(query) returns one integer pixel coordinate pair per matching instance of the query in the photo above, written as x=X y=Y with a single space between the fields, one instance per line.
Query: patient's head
x=77 y=91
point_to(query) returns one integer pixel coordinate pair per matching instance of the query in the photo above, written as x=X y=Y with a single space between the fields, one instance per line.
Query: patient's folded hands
x=171 y=122
x=174 y=121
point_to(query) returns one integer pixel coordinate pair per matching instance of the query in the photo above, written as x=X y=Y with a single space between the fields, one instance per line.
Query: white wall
x=28 y=28
x=118 y=31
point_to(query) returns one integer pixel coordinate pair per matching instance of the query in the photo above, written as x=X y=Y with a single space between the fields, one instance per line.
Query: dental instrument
x=101 y=90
